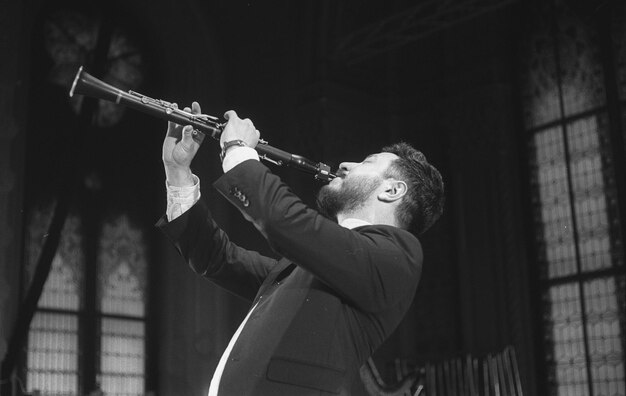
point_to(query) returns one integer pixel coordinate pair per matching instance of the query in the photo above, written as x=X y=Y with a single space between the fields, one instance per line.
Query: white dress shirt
x=181 y=199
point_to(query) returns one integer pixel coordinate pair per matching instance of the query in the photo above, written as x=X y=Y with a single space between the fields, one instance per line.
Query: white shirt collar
x=353 y=223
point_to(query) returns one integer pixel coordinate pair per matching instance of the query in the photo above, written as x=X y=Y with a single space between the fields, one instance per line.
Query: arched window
x=91 y=328
x=571 y=132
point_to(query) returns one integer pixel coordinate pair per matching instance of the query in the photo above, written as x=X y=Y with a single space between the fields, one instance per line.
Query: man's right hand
x=179 y=149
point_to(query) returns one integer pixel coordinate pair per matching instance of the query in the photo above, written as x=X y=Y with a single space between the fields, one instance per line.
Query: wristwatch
x=230 y=144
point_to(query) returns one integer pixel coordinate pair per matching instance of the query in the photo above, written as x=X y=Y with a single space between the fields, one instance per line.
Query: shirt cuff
x=236 y=155
x=181 y=199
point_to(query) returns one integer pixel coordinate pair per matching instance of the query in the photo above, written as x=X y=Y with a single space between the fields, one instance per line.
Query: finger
x=229 y=114
x=187 y=139
x=178 y=132
x=195 y=108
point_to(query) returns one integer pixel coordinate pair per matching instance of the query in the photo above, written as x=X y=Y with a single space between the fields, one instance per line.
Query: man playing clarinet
x=347 y=272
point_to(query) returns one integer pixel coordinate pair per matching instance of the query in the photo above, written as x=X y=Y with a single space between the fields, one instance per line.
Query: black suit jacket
x=322 y=309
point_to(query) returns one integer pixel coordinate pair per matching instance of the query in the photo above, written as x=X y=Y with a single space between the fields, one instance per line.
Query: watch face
x=71 y=40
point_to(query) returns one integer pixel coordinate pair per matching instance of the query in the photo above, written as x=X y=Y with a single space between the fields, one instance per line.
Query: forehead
x=382 y=158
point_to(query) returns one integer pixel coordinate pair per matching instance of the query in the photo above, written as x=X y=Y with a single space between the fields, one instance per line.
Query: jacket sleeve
x=373 y=267
x=209 y=252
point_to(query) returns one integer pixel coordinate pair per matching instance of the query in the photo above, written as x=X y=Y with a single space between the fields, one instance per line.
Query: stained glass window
x=122 y=361
x=53 y=352
x=568 y=363
x=122 y=269
x=89 y=329
x=605 y=336
x=540 y=86
x=580 y=73
x=578 y=232
x=121 y=292
x=70 y=40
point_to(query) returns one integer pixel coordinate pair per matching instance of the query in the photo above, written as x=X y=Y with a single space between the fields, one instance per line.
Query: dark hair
x=423 y=203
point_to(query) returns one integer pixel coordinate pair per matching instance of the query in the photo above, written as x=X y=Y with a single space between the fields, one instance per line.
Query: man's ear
x=394 y=190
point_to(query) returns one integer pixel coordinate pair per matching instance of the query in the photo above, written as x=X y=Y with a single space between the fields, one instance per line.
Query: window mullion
x=582 y=277
x=89 y=340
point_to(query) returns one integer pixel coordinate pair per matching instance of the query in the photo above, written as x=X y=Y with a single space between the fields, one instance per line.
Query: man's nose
x=345 y=167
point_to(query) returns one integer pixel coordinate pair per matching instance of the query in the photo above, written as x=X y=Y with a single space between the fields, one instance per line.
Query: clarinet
x=203 y=124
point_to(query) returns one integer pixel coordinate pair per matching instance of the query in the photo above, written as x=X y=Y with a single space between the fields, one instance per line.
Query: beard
x=350 y=196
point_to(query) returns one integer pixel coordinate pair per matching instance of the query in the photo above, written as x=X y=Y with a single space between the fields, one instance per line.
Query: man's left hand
x=238 y=129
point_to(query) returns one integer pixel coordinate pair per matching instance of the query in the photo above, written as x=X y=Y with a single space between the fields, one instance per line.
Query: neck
x=343 y=216
x=371 y=214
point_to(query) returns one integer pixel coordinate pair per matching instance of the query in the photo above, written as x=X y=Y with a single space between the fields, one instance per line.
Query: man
x=340 y=288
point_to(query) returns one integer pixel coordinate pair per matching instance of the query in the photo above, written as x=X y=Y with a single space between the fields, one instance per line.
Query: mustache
x=341 y=173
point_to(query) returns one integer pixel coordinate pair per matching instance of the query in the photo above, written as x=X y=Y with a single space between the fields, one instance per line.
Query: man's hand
x=238 y=129
x=179 y=148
